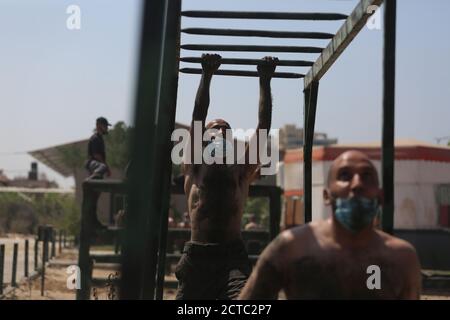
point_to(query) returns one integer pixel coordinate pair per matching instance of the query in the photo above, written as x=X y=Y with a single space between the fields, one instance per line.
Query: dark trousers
x=212 y=271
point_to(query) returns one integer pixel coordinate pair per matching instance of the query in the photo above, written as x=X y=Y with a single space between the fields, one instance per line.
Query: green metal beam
x=254 y=62
x=88 y=211
x=265 y=15
x=275 y=212
x=162 y=156
x=351 y=27
x=388 y=159
x=243 y=73
x=310 y=105
x=250 y=48
x=258 y=33
x=135 y=246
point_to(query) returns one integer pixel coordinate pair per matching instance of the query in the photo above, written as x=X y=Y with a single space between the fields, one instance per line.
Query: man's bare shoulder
x=401 y=249
x=304 y=232
x=294 y=242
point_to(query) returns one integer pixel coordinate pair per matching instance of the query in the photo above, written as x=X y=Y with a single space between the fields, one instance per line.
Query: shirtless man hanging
x=215 y=264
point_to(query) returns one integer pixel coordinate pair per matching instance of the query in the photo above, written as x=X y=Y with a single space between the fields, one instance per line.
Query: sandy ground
x=56 y=289
x=54 y=283
x=9 y=242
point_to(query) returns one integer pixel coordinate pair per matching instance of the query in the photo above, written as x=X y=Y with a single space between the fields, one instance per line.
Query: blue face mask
x=356 y=213
x=219 y=148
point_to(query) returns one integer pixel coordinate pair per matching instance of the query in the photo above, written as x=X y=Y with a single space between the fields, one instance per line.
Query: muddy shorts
x=96 y=168
x=212 y=271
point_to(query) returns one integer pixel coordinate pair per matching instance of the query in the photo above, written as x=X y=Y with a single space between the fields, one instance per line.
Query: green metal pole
x=86 y=232
x=136 y=249
x=310 y=105
x=275 y=212
x=162 y=162
x=389 y=115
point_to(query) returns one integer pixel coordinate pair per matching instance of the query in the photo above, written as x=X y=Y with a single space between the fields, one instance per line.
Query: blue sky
x=54 y=82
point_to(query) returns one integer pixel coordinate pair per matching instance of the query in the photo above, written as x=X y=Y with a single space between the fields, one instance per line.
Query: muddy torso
x=216 y=198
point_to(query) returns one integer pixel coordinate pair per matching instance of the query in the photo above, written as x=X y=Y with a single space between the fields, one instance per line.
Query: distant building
x=32 y=181
x=3 y=179
x=291 y=137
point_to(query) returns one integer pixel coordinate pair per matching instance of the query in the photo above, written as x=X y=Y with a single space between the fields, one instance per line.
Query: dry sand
x=56 y=289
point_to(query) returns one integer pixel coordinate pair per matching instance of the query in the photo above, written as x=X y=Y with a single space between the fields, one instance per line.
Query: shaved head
x=218 y=123
x=348 y=156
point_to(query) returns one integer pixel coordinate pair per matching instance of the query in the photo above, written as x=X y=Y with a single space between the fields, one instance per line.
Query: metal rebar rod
x=44 y=259
x=26 y=258
x=53 y=235
x=60 y=241
x=258 y=33
x=250 y=48
x=36 y=254
x=264 y=15
x=14 y=265
x=285 y=75
x=286 y=63
x=2 y=266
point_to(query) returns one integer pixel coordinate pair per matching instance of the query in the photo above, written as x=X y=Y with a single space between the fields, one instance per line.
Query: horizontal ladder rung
x=265 y=15
x=258 y=33
x=250 y=48
x=106 y=258
x=285 y=75
x=254 y=62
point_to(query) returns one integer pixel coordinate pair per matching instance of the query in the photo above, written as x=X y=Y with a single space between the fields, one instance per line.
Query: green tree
x=72 y=156
x=21 y=213
x=259 y=206
x=117 y=145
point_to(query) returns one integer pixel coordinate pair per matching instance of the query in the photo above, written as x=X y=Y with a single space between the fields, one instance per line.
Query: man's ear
x=327 y=197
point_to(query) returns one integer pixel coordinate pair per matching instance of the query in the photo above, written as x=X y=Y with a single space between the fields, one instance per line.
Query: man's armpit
x=264 y=283
x=250 y=172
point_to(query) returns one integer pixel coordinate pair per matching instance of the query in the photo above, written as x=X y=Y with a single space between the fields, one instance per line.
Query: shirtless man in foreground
x=331 y=259
x=215 y=264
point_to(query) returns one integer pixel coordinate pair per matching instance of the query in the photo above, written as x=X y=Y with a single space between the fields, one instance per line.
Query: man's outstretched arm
x=412 y=270
x=266 y=69
x=210 y=64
